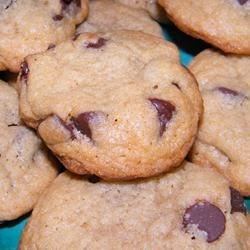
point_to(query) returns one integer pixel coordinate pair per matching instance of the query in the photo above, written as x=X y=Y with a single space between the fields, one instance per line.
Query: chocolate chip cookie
x=118 y=105
x=223 y=138
x=31 y=26
x=151 y=6
x=191 y=208
x=25 y=167
x=107 y=15
x=223 y=23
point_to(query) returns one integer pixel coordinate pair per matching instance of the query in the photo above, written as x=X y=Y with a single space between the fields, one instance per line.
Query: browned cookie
x=118 y=104
x=192 y=208
x=224 y=135
x=223 y=23
x=31 y=26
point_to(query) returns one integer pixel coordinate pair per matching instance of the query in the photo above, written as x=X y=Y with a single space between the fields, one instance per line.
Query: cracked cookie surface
x=31 y=26
x=167 y=212
x=25 y=167
x=223 y=138
x=119 y=17
x=118 y=105
x=223 y=23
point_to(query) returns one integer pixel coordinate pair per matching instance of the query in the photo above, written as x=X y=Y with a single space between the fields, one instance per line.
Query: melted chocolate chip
x=205 y=217
x=165 y=111
x=81 y=123
x=241 y=2
x=10 y=3
x=176 y=85
x=24 y=71
x=93 y=179
x=99 y=43
x=227 y=91
x=58 y=17
x=67 y=2
x=237 y=202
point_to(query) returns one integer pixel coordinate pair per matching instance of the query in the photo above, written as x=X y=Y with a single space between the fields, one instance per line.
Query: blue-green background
x=10 y=232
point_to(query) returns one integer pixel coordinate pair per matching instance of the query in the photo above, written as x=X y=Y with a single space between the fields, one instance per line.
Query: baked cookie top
x=25 y=167
x=31 y=26
x=191 y=208
x=118 y=104
x=223 y=23
x=224 y=138
x=107 y=15
x=151 y=6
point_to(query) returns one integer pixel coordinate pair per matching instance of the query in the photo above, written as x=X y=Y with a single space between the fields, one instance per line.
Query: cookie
x=25 y=167
x=31 y=26
x=223 y=23
x=192 y=208
x=119 y=17
x=224 y=138
x=151 y=6
x=118 y=105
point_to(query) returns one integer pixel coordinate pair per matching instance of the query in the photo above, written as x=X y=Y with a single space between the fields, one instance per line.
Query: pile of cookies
x=154 y=155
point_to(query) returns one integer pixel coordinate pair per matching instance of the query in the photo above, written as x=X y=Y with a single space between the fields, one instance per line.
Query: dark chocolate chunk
x=81 y=123
x=165 y=111
x=93 y=179
x=98 y=44
x=241 y=2
x=228 y=91
x=237 y=202
x=58 y=17
x=24 y=71
x=207 y=218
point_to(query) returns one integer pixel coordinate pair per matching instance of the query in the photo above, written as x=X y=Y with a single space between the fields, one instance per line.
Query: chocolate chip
x=24 y=71
x=165 y=111
x=81 y=123
x=8 y=5
x=237 y=202
x=241 y=2
x=100 y=43
x=51 y=46
x=227 y=91
x=12 y=125
x=176 y=85
x=93 y=179
x=58 y=17
x=67 y=2
x=205 y=217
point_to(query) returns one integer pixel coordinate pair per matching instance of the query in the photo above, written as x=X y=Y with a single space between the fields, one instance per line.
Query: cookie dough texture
x=25 y=167
x=31 y=26
x=118 y=105
x=224 y=139
x=151 y=6
x=149 y=214
x=107 y=15
x=223 y=23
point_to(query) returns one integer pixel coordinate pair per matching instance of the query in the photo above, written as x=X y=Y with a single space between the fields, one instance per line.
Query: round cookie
x=192 y=208
x=31 y=26
x=223 y=23
x=119 y=17
x=224 y=139
x=118 y=105
x=151 y=6
x=25 y=167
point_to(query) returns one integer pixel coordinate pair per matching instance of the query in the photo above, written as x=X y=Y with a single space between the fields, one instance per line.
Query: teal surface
x=10 y=232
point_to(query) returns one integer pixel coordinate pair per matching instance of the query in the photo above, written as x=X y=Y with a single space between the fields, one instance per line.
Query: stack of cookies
x=154 y=155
